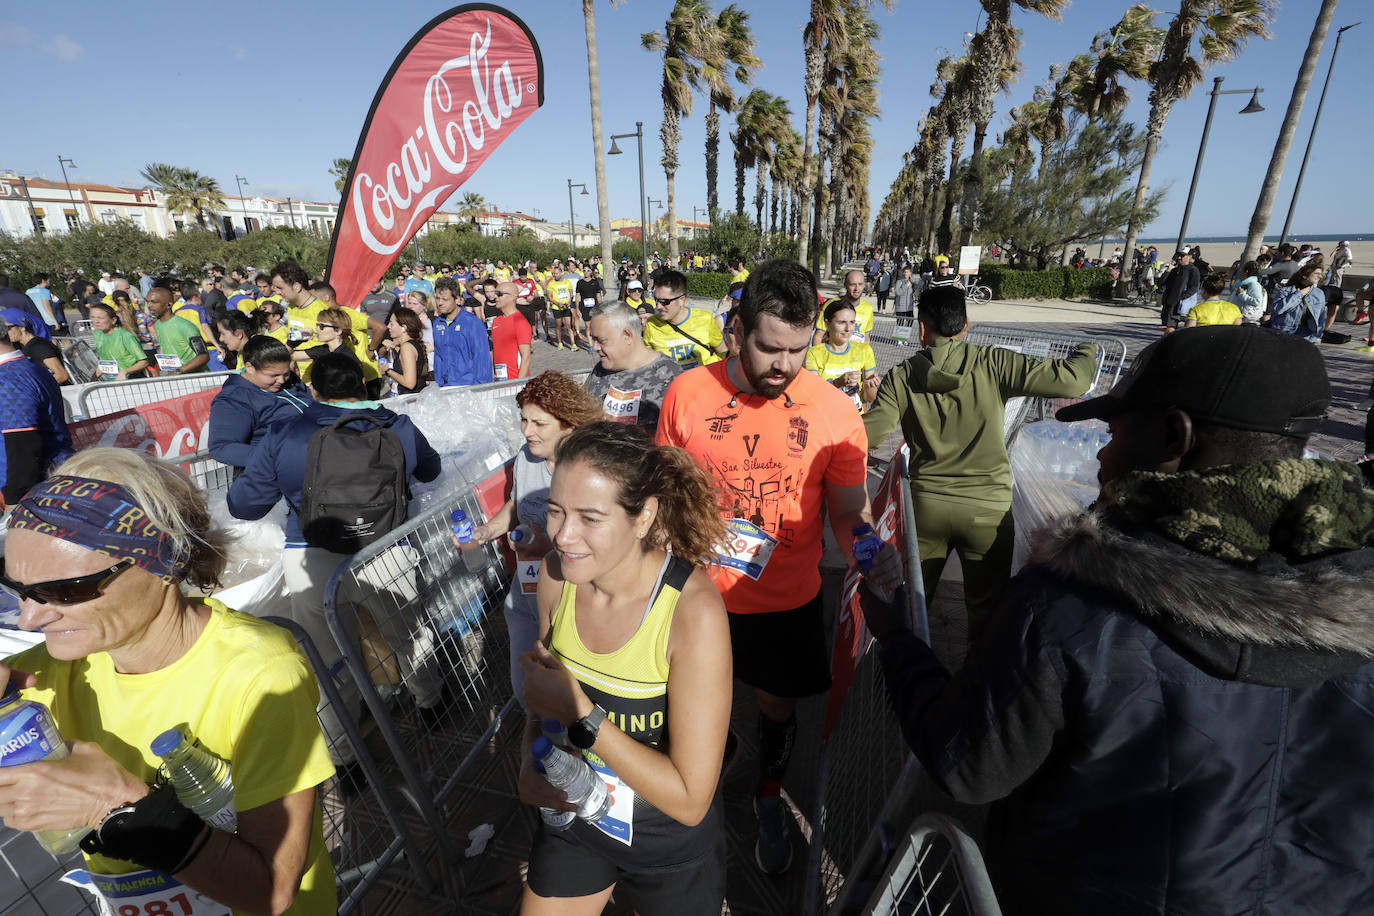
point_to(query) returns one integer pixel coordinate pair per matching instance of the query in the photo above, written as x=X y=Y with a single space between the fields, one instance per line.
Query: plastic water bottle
x=461 y=526
x=522 y=535
x=558 y=736
x=29 y=734
x=575 y=777
x=202 y=780
x=867 y=545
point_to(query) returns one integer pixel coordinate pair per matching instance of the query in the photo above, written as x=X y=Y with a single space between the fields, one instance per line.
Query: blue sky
x=274 y=91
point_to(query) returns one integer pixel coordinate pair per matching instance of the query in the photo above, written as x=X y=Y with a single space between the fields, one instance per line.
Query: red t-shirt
x=772 y=462
x=508 y=334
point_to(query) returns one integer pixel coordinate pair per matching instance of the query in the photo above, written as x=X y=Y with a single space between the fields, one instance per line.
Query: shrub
x=708 y=285
x=1054 y=283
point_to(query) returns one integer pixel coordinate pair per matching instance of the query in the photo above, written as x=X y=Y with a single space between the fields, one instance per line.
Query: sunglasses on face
x=669 y=301
x=64 y=591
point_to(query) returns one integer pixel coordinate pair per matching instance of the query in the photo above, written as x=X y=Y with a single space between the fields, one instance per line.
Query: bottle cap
x=863 y=529
x=167 y=742
x=517 y=536
x=541 y=747
x=458 y=515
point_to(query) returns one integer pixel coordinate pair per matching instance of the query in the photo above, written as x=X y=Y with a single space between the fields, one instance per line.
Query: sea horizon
x=1295 y=238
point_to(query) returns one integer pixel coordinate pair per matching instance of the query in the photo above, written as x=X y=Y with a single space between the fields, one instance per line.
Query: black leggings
x=882 y=300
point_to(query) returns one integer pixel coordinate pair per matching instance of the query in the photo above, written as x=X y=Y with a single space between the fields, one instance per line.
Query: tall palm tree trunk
x=813 y=92
x=1259 y=221
x=739 y=182
x=973 y=187
x=1154 y=128
x=773 y=215
x=759 y=196
x=603 y=207
x=671 y=138
x=821 y=198
x=945 y=234
x=712 y=157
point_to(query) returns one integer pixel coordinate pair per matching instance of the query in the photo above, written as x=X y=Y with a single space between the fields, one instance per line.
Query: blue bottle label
x=27 y=736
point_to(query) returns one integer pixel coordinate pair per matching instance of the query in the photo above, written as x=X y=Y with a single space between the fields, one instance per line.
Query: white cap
x=634 y=284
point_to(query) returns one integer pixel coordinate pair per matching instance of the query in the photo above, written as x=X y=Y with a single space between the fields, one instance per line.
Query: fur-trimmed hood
x=1268 y=623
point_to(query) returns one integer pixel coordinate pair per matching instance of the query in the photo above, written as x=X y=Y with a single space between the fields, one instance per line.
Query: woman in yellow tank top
x=635 y=660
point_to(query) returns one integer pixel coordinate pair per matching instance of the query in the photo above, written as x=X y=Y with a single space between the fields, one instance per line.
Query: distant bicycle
x=975 y=292
x=1141 y=291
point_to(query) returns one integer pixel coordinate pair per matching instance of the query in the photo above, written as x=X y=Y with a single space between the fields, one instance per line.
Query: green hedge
x=1055 y=283
x=708 y=285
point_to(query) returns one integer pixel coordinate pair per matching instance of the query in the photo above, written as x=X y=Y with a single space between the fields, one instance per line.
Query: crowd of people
x=1164 y=708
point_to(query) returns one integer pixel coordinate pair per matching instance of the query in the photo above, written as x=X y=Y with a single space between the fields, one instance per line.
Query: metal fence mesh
x=936 y=871
x=205 y=472
x=110 y=397
x=80 y=359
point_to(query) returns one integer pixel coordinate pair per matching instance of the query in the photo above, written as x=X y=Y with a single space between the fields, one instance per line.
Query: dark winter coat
x=242 y=413
x=1161 y=732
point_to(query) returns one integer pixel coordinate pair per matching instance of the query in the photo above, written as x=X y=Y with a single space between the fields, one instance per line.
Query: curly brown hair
x=689 y=522
x=562 y=397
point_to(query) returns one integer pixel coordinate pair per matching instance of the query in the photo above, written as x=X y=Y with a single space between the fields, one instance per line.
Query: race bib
x=109 y=369
x=622 y=406
x=859 y=336
x=747 y=548
x=527 y=574
x=588 y=303
x=499 y=372
x=619 y=821
x=168 y=362
x=145 y=893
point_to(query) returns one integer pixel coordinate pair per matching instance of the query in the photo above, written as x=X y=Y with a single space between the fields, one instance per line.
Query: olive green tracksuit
x=950 y=399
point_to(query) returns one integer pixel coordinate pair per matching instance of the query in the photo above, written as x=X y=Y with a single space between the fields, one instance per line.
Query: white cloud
x=63 y=46
x=13 y=35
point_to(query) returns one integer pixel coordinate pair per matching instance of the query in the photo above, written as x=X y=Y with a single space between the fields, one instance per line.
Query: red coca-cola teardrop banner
x=455 y=92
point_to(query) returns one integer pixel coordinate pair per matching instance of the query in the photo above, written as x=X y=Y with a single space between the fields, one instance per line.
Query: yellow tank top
x=631 y=683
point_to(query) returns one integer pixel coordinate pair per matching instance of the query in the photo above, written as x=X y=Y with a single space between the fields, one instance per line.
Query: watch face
x=581 y=736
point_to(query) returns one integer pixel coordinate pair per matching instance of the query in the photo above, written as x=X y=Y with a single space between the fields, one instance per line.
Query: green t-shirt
x=180 y=338
x=118 y=345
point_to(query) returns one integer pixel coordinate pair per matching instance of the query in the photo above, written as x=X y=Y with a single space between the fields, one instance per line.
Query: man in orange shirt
x=783 y=446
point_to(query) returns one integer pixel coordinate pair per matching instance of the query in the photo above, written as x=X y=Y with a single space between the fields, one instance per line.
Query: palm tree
x=1259 y=220
x=775 y=123
x=471 y=204
x=340 y=172
x=603 y=208
x=953 y=79
x=1222 y=28
x=856 y=100
x=185 y=190
x=733 y=60
x=783 y=168
x=685 y=42
x=751 y=147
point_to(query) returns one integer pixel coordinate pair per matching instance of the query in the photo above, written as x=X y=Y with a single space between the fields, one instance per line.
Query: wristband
x=156 y=831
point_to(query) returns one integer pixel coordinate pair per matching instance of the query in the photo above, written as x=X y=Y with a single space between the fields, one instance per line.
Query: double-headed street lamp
x=1251 y=108
x=241 y=182
x=572 y=239
x=643 y=219
x=653 y=203
x=72 y=197
x=695 y=211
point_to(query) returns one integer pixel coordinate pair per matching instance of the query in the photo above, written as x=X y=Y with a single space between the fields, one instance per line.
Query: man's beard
x=757 y=381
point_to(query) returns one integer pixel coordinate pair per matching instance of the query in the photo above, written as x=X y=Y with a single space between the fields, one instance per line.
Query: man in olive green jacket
x=950 y=399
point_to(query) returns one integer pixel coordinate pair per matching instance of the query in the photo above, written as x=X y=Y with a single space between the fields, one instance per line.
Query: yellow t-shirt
x=741 y=276
x=670 y=338
x=503 y=274
x=1214 y=311
x=432 y=277
x=248 y=305
x=244 y=690
x=560 y=293
x=279 y=333
x=863 y=318
x=830 y=365
x=698 y=261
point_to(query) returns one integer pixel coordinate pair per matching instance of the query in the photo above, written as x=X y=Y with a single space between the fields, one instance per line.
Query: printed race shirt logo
x=455 y=93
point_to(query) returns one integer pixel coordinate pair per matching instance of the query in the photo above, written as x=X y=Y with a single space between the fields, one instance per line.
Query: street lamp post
x=652 y=203
x=70 y=196
x=695 y=211
x=1283 y=236
x=572 y=239
x=643 y=217
x=1251 y=108
x=241 y=182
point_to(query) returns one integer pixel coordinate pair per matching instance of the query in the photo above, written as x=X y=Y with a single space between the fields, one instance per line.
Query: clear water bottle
x=867 y=545
x=29 y=734
x=461 y=526
x=575 y=777
x=558 y=736
x=522 y=535
x=202 y=780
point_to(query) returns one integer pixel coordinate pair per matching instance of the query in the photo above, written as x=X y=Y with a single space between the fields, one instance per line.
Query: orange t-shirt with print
x=771 y=460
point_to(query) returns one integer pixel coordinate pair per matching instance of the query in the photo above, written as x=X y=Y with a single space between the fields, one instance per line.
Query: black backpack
x=356 y=485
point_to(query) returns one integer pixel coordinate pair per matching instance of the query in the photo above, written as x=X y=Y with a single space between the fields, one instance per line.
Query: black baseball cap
x=1244 y=377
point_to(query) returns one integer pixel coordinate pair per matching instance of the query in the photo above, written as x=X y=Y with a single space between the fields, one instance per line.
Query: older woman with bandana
x=98 y=555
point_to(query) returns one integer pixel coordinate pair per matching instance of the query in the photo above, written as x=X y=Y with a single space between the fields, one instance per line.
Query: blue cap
x=167 y=742
x=541 y=747
x=458 y=515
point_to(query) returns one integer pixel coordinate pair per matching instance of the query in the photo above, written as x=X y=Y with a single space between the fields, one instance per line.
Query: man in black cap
x=1180 y=284
x=1173 y=708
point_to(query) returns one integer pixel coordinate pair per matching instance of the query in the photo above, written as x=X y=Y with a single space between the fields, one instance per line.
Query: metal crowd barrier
x=111 y=397
x=443 y=645
x=937 y=870
x=365 y=829
x=80 y=359
x=204 y=471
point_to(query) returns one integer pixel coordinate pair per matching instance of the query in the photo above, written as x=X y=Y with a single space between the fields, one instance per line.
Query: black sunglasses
x=65 y=591
x=670 y=300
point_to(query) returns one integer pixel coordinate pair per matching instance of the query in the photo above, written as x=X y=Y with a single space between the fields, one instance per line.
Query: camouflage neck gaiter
x=1300 y=509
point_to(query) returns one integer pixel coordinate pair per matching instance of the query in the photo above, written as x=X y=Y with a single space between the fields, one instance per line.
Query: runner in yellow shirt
x=559 y=292
x=853 y=297
x=843 y=362
x=689 y=336
x=738 y=272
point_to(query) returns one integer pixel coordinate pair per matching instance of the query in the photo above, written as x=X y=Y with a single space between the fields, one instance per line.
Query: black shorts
x=586 y=311
x=560 y=866
x=782 y=652
x=561 y=311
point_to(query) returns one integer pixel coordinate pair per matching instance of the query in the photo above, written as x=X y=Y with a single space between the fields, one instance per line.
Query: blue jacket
x=241 y=414
x=1295 y=313
x=1161 y=732
x=31 y=413
x=462 y=355
x=277 y=468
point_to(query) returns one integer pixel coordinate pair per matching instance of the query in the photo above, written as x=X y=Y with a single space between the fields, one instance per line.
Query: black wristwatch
x=582 y=733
